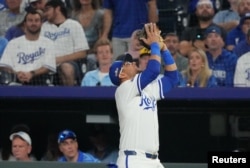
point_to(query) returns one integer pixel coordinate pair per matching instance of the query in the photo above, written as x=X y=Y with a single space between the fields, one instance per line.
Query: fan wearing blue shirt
x=221 y=61
x=68 y=145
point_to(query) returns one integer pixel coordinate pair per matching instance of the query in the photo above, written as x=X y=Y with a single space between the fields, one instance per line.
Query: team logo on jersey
x=30 y=58
x=55 y=35
x=147 y=103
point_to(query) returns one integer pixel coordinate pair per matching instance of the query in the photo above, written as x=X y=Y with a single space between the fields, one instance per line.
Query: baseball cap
x=22 y=135
x=65 y=134
x=213 y=29
x=203 y=2
x=244 y=17
x=116 y=67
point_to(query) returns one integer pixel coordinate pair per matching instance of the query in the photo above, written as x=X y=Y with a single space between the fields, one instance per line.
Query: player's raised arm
x=170 y=78
x=153 y=41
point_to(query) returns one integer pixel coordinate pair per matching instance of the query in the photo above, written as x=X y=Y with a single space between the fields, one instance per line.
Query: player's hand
x=153 y=34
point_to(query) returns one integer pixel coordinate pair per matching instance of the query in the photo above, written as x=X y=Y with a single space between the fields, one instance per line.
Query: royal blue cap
x=244 y=17
x=213 y=29
x=116 y=67
x=65 y=134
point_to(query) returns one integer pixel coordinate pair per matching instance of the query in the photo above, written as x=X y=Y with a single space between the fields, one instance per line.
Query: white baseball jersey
x=242 y=71
x=24 y=55
x=138 y=116
x=69 y=37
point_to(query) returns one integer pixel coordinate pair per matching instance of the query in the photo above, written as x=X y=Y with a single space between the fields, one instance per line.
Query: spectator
x=102 y=147
x=10 y=16
x=124 y=22
x=70 y=41
x=100 y=76
x=3 y=44
x=242 y=71
x=68 y=145
x=221 y=61
x=31 y=56
x=52 y=152
x=21 y=146
x=228 y=18
x=90 y=16
x=198 y=73
x=194 y=36
x=173 y=44
x=135 y=45
x=144 y=58
x=6 y=153
x=238 y=34
x=243 y=47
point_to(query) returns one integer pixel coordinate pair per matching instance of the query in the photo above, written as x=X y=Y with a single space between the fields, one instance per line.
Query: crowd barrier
x=108 y=93
x=85 y=165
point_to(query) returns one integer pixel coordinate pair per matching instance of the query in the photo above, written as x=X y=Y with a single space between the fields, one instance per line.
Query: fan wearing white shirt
x=30 y=57
x=69 y=38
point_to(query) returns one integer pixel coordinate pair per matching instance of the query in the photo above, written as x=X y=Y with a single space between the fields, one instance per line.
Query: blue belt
x=148 y=155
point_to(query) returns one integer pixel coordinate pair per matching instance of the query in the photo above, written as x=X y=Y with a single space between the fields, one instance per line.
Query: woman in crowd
x=198 y=73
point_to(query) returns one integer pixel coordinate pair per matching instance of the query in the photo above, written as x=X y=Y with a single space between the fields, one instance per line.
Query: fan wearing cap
x=68 y=145
x=194 y=36
x=21 y=146
x=221 y=61
x=136 y=100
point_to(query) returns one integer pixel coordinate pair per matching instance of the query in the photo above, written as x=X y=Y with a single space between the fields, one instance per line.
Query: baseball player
x=136 y=101
x=69 y=38
x=30 y=55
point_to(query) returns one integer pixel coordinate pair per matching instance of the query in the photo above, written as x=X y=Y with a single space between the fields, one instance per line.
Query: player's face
x=33 y=23
x=20 y=148
x=104 y=55
x=130 y=69
x=69 y=148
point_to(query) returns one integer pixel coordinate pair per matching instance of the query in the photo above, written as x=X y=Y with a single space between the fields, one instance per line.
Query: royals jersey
x=138 y=115
x=242 y=72
x=24 y=55
x=69 y=36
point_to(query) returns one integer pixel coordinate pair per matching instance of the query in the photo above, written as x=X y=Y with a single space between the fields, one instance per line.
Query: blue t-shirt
x=3 y=44
x=128 y=15
x=3 y=5
x=241 y=48
x=210 y=83
x=223 y=67
x=82 y=157
x=235 y=36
